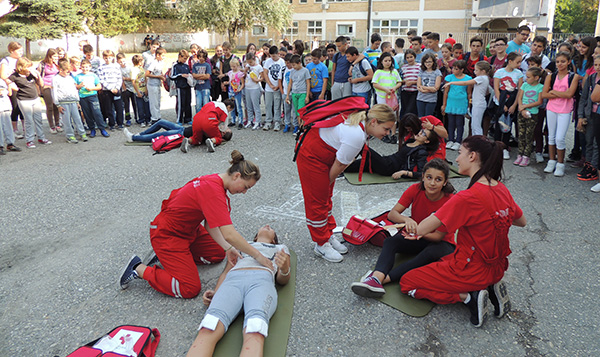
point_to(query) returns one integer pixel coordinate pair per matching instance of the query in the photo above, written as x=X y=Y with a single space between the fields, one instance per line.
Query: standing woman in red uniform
x=483 y=214
x=194 y=228
x=324 y=154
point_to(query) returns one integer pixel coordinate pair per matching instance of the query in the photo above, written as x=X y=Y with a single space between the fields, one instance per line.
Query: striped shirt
x=371 y=54
x=410 y=73
x=110 y=76
x=385 y=79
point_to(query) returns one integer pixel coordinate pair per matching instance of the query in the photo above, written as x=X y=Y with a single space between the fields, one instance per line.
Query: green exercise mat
x=369 y=179
x=393 y=296
x=279 y=326
x=137 y=143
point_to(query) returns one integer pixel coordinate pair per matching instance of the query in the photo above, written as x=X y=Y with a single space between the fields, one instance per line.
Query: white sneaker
x=539 y=158
x=449 y=144
x=210 y=146
x=550 y=166
x=559 y=170
x=185 y=145
x=276 y=127
x=267 y=127
x=455 y=146
x=128 y=135
x=337 y=245
x=505 y=154
x=256 y=126
x=327 y=252
x=596 y=188
x=248 y=125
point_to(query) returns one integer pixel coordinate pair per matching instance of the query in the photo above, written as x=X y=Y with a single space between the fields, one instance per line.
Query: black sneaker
x=590 y=175
x=129 y=273
x=584 y=170
x=499 y=298
x=478 y=306
x=230 y=124
x=575 y=155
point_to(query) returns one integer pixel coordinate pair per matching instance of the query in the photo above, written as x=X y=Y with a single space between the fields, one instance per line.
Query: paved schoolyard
x=72 y=215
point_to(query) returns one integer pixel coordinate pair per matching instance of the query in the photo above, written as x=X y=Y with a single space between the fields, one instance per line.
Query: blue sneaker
x=286 y=128
x=93 y=133
x=104 y=133
x=129 y=273
x=296 y=129
x=128 y=123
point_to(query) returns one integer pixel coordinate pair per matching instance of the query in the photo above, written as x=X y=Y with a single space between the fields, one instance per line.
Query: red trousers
x=443 y=281
x=314 y=161
x=179 y=258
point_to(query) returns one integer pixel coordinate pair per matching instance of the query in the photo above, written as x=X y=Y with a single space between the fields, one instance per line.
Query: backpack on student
x=165 y=143
x=555 y=74
x=364 y=71
x=125 y=340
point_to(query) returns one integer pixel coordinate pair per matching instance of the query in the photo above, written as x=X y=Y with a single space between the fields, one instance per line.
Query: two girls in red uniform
x=424 y=198
x=483 y=215
x=194 y=227
x=324 y=154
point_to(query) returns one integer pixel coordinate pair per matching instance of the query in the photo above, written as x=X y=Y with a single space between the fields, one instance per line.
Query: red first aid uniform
x=314 y=161
x=482 y=246
x=206 y=123
x=440 y=153
x=180 y=240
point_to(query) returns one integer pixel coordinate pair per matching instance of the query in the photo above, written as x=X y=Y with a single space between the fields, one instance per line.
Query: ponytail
x=247 y=169
x=382 y=112
x=490 y=157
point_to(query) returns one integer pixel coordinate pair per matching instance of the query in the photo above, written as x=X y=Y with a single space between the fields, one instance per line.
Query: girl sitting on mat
x=424 y=198
x=248 y=285
x=408 y=162
x=483 y=214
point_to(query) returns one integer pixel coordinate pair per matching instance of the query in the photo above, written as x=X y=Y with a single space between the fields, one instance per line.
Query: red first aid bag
x=125 y=340
x=165 y=143
x=360 y=230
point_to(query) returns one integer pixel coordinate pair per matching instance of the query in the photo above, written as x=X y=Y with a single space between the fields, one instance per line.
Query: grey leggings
x=253 y=105
x=252 y=290
x=31 y=110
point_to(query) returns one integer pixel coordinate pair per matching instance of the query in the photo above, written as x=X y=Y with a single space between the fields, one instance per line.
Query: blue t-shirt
x=201 y=68
x=509 y=81
x=513 y=47
x=317 y=73
x=341 y=69
x=89 y=80
x=457 y=102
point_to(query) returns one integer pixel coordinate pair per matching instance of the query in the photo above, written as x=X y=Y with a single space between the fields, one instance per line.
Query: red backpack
x=326 y=114
x=126 y=340
x=165 y=143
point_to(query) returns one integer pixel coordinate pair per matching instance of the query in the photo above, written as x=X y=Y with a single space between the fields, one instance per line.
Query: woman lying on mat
x=410 y=125
x=248 y=285
x=424 y=198
x=408 y=162
x=483 y=214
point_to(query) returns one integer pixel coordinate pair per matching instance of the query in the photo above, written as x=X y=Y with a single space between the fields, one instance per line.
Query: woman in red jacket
x=208 y=125
x=483 y=214
x=194 y=227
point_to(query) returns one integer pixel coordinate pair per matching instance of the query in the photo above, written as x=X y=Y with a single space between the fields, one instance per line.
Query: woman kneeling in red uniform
x=483 y=215
x=325 y=153
x=181 y=241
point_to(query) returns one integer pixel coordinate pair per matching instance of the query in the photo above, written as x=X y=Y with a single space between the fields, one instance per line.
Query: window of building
x=259 y=30
x=315 y=27
x=394 y=27
x=292 y=31
x=171 y=4
x=303 y=1
x=345 y=29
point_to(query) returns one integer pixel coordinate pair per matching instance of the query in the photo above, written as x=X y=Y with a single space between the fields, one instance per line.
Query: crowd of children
x=517 y=84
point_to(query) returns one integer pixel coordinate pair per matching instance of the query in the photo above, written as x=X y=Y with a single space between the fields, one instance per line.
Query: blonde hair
x=22 y=64
x=13 y=46
x=247 y=169
x=382 y=112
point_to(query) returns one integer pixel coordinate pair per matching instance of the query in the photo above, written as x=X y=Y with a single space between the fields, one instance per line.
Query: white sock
x=467 y=299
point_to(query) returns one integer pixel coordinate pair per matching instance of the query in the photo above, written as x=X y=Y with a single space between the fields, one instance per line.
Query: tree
x=576 y=16
x=40 y=19
x=232 y=16
x=114 y=17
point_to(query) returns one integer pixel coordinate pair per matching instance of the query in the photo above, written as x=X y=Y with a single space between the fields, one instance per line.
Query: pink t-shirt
x=49 y=72
x=561 y=105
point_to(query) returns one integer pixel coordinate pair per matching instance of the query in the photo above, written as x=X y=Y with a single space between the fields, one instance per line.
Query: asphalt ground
x=72 y=216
